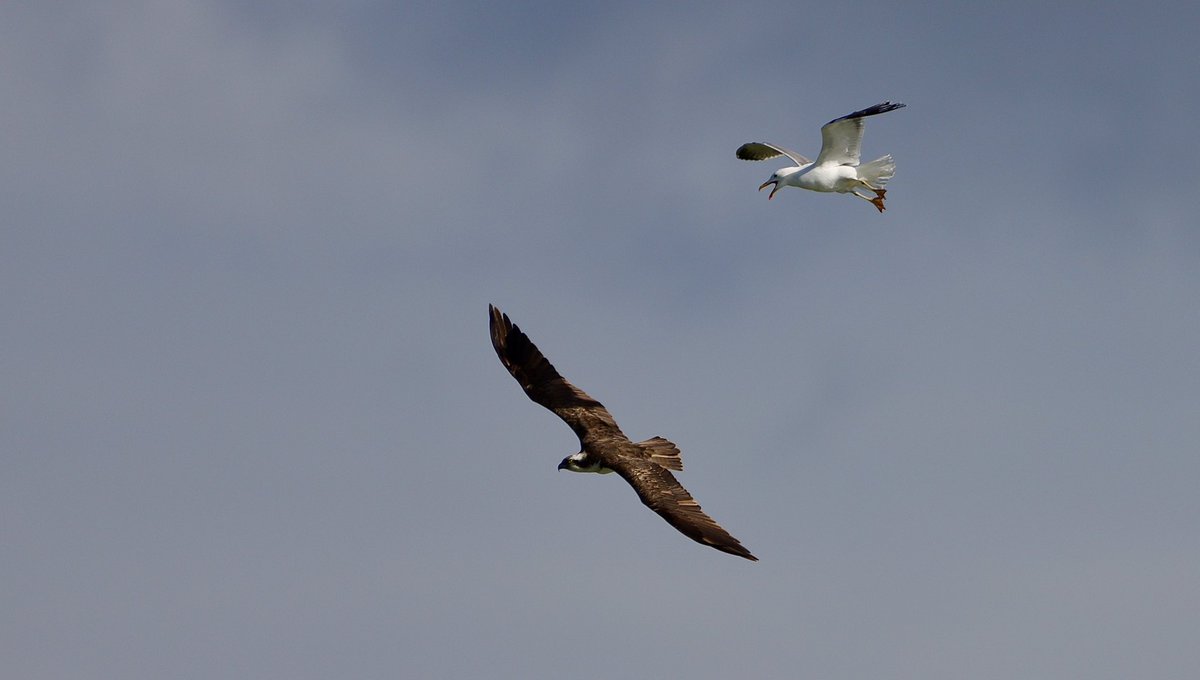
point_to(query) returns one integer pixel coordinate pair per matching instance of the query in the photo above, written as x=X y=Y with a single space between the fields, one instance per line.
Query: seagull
x=836 y=167
x=646 y=465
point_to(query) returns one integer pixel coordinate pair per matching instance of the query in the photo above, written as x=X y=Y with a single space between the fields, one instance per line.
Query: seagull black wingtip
x=882 y=107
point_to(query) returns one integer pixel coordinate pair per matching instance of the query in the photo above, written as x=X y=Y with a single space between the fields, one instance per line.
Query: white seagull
x=836 y=167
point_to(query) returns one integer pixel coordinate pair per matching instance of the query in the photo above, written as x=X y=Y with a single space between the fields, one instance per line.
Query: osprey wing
x=662 y=493
x=538 y=377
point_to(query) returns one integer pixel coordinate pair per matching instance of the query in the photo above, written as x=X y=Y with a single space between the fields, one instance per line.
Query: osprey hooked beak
x=773 y=190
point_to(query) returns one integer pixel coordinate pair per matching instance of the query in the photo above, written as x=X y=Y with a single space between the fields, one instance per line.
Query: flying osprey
x=604 y=448
x=836 y=167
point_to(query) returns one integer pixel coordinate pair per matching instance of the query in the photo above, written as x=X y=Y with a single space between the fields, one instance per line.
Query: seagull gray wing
x=761 y=151
x=538 y=377
x=662 y=493
x=842 y=137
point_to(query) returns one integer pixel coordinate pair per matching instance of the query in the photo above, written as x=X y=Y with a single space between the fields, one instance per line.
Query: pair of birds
x=647 y=465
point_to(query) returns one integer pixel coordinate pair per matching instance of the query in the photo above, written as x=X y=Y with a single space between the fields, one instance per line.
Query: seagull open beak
x=768 y=183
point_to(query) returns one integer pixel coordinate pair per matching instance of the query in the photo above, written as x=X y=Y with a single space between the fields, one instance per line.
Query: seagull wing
x=662 y=493
x=842 y=137
x=537 y=376
x=761 y=151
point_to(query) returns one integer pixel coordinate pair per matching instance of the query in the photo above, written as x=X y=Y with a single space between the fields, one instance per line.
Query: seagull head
x=781 y=178
x=774 y=180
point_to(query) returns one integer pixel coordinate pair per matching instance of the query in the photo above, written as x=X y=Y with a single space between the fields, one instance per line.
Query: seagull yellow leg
x=877 y=201
x=879 y=195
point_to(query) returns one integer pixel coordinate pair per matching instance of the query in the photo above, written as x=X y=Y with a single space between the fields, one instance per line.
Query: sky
x=252 y=424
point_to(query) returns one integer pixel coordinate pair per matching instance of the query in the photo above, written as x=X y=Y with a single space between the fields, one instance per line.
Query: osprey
x=646 y=465
x=836 y=167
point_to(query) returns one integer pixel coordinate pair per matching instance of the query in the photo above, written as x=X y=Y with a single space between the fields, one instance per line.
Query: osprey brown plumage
x=646 y=465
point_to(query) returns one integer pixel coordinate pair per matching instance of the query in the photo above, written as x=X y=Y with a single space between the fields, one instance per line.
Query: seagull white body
x=837 y=167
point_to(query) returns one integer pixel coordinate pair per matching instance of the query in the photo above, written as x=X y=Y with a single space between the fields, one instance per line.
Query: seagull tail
x=878 y=171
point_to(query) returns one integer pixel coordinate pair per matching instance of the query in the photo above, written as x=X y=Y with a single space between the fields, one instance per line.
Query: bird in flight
x=646 y=465
x=836 y=167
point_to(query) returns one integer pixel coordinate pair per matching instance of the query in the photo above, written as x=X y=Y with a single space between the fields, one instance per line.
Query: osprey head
x=579 y=462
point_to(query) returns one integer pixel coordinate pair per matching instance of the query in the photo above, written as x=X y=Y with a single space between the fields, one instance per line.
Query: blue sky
x=253 y=425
